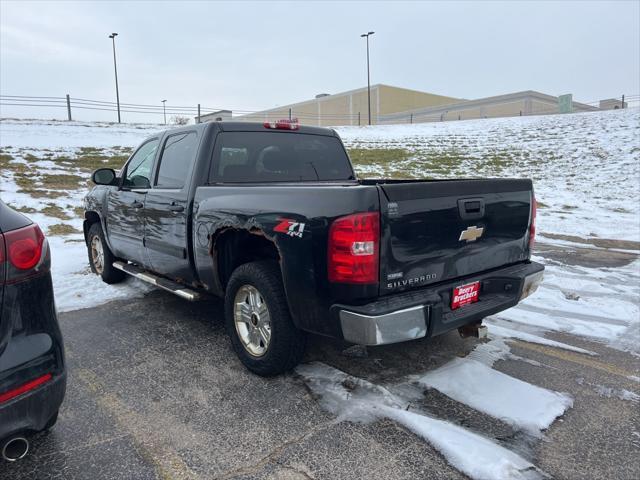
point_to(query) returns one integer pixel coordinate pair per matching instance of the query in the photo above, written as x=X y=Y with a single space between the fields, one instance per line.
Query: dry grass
x=25 y=210
x=61 y=229
x=377 y=156
x=61 y=181
x=39 y=193
x=53 y=210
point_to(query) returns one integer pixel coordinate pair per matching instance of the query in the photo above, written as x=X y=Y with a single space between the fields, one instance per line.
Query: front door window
x=139 y=168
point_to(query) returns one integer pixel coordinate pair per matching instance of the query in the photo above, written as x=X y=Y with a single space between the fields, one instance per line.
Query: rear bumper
x=426 y=312
x=31 y=411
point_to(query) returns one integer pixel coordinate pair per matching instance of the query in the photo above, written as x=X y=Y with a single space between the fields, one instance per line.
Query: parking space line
x=574 y=358
x=167 y=463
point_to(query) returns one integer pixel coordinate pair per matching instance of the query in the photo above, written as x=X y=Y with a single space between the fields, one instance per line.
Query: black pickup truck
x=272 y=218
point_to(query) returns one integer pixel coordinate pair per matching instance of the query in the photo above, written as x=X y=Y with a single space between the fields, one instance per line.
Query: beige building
x=217 y=116
x=350 y=108
x=612 y=104
x=524 y=103
x=392 y=105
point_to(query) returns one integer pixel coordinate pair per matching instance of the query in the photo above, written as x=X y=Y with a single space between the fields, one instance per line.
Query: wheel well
x=233 y=248
x=89 y=219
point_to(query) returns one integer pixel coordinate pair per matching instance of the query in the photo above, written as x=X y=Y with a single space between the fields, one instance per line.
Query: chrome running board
x=163 y=283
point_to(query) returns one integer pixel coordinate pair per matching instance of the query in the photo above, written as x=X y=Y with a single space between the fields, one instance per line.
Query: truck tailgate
x=433 y=231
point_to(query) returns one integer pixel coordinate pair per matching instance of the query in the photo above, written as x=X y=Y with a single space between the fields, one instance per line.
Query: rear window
x=278 y=157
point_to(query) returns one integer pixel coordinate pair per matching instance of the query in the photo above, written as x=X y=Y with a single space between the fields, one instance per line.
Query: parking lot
x=155 y=391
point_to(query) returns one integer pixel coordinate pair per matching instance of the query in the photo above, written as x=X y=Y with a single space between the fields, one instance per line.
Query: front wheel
x=258 y=320
x=101 y=258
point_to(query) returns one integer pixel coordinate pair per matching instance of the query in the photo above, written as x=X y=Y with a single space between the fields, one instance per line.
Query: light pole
x=368 y=76
x=115 y=69
x=164 y=111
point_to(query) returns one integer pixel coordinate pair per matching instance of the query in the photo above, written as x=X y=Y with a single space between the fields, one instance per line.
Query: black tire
x=108 y=273
x=287 y=344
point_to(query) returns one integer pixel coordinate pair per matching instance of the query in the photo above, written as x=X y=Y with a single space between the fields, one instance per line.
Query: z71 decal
x=290 y=227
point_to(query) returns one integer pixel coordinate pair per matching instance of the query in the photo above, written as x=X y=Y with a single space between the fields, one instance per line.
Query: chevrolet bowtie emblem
x=471 y=234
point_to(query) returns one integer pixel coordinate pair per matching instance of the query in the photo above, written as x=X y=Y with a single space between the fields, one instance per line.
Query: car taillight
x=532 y=227
x=23 y=252
x=24 y=388
x=353 y=249
x=284 y=124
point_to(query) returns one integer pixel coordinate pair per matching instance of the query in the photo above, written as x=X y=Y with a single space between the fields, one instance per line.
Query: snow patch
x=76 y=287
x=505 y=332
x=354 y=399
x=610 y=392
x=520 y=404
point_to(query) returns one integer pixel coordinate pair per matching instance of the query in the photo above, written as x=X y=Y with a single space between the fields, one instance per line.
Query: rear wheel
x=258 y=320
x=100 y=257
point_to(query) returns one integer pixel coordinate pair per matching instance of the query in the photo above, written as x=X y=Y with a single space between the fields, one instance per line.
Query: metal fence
x=68 y=106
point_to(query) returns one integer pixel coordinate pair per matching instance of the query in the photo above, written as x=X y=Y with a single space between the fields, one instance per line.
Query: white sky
x=255 y=55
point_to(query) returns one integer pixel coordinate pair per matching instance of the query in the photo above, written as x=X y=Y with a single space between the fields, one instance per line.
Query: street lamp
x=115 y=68
x=164 y=111
x=368 y=76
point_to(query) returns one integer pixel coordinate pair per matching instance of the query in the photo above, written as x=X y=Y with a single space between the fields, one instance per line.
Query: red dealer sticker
x=465 y=295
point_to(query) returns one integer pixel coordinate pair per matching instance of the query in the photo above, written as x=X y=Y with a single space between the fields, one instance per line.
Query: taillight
x=284 y=124
x=353 y=248
x=23 y=251
x=532 y=226
x=24 y=388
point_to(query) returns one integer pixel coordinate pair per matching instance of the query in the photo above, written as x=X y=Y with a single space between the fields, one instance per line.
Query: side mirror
x=104 y=176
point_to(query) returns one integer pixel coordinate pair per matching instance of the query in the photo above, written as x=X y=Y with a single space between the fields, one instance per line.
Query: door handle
x=176 y=208
x=136 y=204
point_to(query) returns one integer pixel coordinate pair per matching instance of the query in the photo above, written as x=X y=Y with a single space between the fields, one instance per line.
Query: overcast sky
x=255 y=55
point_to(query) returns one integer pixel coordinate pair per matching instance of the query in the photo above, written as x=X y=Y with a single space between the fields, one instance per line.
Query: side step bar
x=163 y=283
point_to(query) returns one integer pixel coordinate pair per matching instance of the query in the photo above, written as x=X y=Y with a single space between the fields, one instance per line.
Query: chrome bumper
x=531 y=284
x=418 y=313
x=399 y=326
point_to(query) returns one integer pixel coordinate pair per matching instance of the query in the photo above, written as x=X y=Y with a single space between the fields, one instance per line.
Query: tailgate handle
x=471 y=208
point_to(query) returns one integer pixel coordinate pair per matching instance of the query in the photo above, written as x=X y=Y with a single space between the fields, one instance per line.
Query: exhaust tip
x=15 y=449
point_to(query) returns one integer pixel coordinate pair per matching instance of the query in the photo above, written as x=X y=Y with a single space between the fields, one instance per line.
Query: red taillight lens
x=532 y=227
x=284 y=124
x=24 y=246
x=24 y=388
x=354 y=245
x=3 y=255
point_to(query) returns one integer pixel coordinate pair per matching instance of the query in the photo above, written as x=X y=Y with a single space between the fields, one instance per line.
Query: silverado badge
x=471 y=234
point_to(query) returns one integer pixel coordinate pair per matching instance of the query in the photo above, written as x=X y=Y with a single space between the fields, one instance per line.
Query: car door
x=166 y=210
x=125 y=205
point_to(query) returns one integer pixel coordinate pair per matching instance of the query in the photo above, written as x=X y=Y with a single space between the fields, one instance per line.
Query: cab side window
x=139 y=168
x=178 y=155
